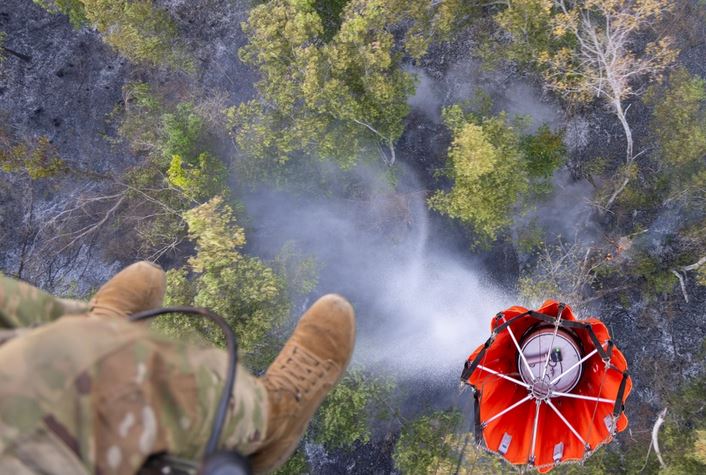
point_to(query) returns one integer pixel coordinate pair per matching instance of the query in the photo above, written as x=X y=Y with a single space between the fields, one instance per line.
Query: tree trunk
x=616 y=193
x=14 y=53
x=618 y=106
x=620 y=112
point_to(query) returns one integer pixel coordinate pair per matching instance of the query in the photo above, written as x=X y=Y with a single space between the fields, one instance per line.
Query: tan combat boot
x=138 y=287
x=309 y=365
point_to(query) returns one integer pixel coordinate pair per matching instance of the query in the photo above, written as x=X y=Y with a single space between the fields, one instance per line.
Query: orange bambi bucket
x=548 y=388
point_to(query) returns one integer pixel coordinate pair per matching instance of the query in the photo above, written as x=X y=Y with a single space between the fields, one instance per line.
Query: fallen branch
x=16 y=54
x=686 y=269
x=655 y=442
x=681 y=284
x=655 y=432
x=695 y=265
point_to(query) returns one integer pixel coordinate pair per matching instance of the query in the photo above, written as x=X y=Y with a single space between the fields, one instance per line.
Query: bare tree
x=565 y=271
x=107 y=215
x=568 y=271
x=607 y=62
x=680 y=274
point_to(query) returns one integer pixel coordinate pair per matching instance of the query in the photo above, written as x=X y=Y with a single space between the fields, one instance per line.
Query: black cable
x=231 y=345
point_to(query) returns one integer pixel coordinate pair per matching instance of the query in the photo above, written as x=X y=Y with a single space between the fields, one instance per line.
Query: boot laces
x=298 y=372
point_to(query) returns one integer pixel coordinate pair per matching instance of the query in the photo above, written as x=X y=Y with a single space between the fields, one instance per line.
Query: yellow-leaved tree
x=484 y=163
x=494 y=168
x=250 y=295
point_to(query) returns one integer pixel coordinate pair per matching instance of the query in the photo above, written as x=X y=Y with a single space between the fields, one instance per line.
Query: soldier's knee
x=137 y=287
x=157 y=278
x=147 y=268
x=154 y=272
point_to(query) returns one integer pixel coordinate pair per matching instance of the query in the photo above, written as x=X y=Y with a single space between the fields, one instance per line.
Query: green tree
x=2 y=42
x=679 y=123
x=484 y=161
x=183 y=132
x=528 y=24
x=38 y=158
x=138 y=118
x=242 y=289
x=199 y=178
x=138 y=29
x=195 y=171
x=493 y=166
x=336 y=98
x=346 y=414
x=332 y=100
x=175 y=139
x=544 y=152
x=330 y=12
x=424 y=444
x=683 y=436
x=71 y=8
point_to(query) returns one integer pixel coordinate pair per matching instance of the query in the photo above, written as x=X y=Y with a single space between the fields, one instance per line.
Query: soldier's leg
x=157 y=397
x=23 y=305
x=108 y=404
x=106 y=394
x=138 y=287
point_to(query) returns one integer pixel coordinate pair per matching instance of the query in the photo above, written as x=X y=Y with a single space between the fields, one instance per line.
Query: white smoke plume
x=422 y=302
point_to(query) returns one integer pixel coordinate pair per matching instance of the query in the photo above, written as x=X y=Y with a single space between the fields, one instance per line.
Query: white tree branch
x=681 y=284
x=655 y=434
x=695 y=265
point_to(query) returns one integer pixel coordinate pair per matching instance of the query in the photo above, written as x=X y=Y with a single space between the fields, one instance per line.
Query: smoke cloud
x=466 y=78
x=422 y=306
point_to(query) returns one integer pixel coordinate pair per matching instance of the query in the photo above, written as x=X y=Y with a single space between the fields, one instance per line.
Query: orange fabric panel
x=588 y=418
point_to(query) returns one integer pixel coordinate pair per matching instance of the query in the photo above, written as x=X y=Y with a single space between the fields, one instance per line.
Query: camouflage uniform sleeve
x=23 y=305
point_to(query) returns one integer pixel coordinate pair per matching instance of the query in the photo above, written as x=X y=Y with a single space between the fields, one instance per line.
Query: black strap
x=543 y=317
x=619 y=406
x=477 y=426
x=572 y=324
x=507 y=323
x=597 y=344
x=470 y=367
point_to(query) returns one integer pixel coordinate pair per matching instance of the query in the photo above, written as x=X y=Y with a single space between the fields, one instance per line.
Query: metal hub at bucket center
x=551 y=363
x=541 y=390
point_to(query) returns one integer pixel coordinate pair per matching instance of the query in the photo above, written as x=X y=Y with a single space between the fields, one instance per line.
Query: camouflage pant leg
x=22 y=305
x=89 y=395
